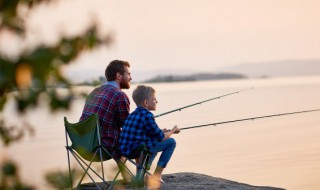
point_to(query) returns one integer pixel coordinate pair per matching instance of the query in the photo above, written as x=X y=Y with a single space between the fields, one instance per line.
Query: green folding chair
x=86 y=148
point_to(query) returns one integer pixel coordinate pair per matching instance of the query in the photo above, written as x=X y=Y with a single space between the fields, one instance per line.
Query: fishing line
x=250 y=118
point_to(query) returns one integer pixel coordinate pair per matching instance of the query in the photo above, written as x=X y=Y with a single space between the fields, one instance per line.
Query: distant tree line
x=195 y=77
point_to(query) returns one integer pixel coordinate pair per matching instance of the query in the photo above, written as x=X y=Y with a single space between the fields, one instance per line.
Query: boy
x=140 y=127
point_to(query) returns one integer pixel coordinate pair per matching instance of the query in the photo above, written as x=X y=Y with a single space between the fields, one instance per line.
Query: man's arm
x=123 y=107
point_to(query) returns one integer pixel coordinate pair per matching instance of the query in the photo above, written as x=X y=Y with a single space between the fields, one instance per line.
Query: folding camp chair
x=86 y=148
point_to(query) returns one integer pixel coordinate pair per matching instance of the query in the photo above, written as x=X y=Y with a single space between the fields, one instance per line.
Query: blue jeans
x=166 y=147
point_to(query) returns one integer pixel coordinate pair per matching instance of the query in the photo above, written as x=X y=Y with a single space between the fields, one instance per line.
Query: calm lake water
x=279 y=151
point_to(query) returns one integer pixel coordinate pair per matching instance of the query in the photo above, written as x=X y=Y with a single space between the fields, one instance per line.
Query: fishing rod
x=218 y=97
x=250 y=118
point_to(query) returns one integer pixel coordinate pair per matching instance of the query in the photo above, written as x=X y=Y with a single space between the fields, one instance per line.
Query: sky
x=184 y=35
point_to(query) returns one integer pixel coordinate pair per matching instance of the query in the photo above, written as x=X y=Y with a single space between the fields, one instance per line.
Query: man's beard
x=124 y=84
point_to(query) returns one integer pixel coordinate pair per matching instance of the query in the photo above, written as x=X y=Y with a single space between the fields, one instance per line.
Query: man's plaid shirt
x=112 y=105
x=139 y=127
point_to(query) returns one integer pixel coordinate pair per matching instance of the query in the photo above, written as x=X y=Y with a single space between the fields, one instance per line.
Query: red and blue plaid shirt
x=113 y=106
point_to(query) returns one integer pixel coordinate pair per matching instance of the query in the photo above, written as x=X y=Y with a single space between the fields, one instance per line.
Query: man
x=111 y=104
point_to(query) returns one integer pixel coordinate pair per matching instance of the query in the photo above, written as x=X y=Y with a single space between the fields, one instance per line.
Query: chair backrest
x=85 y=137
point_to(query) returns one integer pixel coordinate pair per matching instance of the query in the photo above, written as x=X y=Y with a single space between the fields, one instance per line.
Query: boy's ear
x=145 y=103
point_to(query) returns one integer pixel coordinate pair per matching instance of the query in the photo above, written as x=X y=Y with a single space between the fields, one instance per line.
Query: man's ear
x=118 y=76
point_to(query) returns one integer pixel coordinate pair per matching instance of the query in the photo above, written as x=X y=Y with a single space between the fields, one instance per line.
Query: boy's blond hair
x=142 y=93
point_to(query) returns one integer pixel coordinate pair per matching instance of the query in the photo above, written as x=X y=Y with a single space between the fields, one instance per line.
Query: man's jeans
x=166 y=147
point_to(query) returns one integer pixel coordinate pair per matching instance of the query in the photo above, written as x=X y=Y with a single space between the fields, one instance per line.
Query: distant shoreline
x=195 y=77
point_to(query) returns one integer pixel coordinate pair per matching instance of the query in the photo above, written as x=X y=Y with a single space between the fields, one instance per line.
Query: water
x=280 y=151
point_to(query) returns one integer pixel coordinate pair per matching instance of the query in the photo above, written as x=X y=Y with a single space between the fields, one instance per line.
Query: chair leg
x=83 y=162
x=100 y=152
x=121 y=166
x=69 y=169
x=114 y=179
x=86 y=170
x=141 y=170
x=145 y=162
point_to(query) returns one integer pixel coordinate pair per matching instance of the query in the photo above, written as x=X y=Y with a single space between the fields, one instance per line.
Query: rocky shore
x=185 y=181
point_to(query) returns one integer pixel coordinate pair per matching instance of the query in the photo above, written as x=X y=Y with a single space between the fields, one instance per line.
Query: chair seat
x=137 y=151
x=89 y=156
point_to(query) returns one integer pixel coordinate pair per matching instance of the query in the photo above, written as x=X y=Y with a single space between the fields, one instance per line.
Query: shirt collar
x=112 y=83
x=140 y=107
x=143 y=108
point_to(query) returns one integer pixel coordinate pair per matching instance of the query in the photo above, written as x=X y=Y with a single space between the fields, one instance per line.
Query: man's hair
x=142 y=93
x=114 y=67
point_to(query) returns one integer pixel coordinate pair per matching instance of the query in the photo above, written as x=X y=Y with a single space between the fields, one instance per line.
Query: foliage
x=9 y=178
x=33 y=73
x=61 y=179
x=37 y=70
x=12 y=133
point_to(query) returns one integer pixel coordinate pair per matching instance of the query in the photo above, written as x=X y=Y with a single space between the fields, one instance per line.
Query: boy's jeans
x=167 y=147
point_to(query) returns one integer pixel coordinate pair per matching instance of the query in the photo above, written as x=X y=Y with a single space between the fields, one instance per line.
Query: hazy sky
x=199 y=35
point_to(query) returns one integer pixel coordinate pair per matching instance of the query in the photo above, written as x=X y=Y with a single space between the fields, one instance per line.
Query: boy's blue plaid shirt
x=139 y=127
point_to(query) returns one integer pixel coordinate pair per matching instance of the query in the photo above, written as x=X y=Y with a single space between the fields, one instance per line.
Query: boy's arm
x=167 y=134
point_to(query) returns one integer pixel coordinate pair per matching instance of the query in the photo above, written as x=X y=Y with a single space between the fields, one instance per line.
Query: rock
x=201 y=181
x=186 y=180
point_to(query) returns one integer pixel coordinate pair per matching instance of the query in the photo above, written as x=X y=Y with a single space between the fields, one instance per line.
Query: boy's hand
x=176 y=129
x=166 y=130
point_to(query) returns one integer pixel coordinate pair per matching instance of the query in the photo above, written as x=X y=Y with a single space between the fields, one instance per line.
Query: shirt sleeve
x=153 y=129
x=123 y=107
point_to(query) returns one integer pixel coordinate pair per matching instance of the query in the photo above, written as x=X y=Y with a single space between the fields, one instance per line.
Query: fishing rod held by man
x=218 y=97
x=250 y=118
